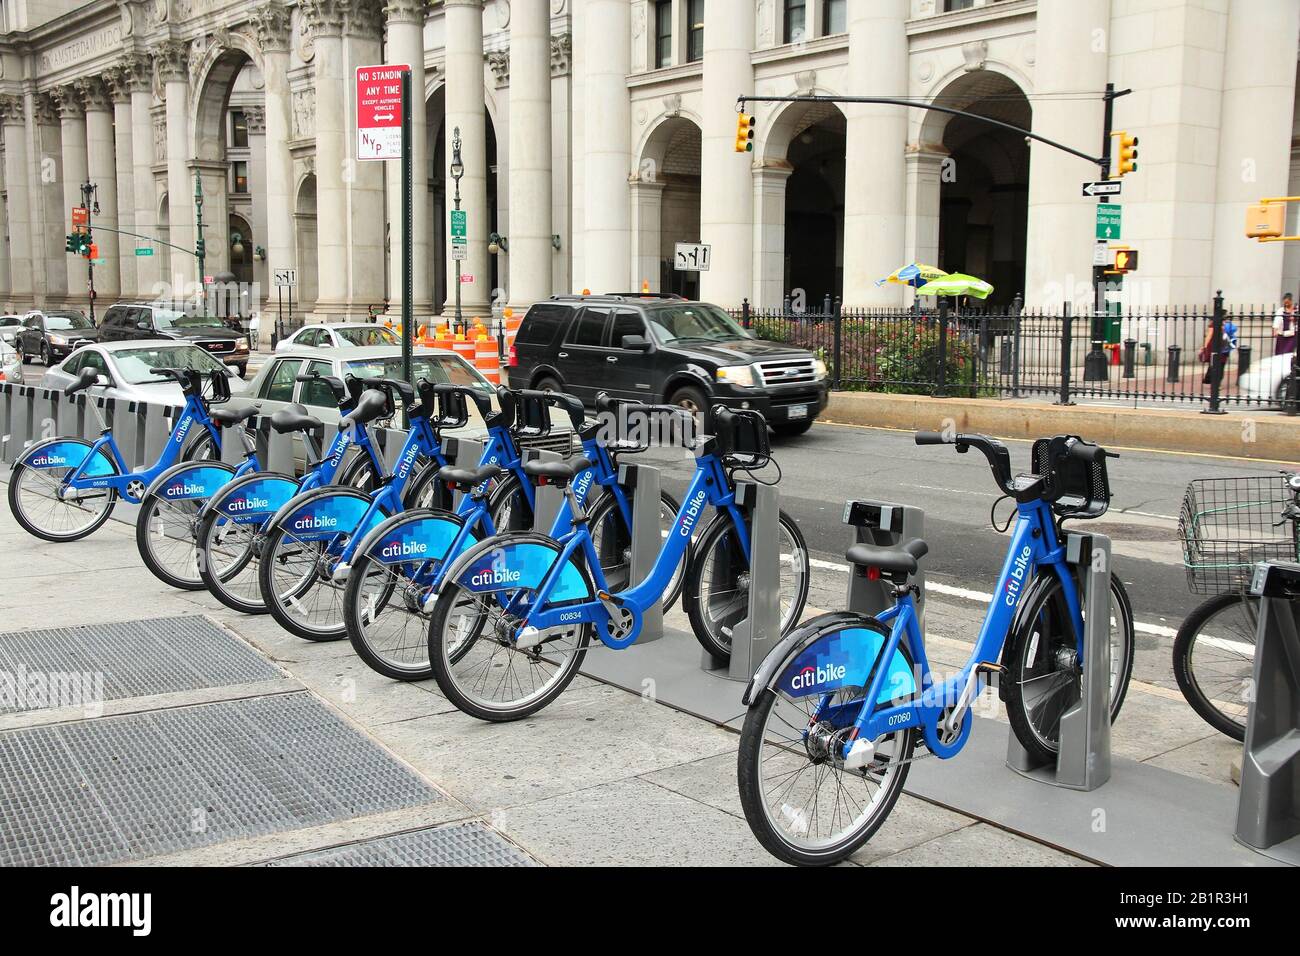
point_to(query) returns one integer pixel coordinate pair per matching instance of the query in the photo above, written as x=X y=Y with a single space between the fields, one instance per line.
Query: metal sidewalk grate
x=98 y=662
x=131 y=787
x=463 y=844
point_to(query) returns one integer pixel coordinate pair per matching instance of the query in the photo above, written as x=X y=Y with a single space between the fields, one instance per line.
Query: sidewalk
x=391 y=772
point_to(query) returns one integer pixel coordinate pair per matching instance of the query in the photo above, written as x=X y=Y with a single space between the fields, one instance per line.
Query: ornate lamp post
x=457 y=170
x=90 y=199
x=199 y=249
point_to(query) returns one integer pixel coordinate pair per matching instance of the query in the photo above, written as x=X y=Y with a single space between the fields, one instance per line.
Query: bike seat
x=555 y=472
x=894 y=559
x=467 y=477
x=371 y=405
x=232 y=416
x=294 y=418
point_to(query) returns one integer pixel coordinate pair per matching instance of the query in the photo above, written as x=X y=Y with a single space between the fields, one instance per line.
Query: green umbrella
x=957 y=284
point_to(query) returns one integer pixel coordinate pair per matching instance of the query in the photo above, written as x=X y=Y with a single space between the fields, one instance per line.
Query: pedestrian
x=1284 y=327
x=1218 y=361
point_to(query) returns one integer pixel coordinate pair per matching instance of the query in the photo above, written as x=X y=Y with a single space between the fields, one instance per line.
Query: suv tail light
x=513 y=360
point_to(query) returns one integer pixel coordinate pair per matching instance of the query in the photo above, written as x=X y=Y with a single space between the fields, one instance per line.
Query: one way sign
x=1110 y=187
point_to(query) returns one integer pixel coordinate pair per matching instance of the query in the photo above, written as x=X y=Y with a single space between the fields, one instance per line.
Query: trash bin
x=1130 y=358
x=1243 y=359
x=1172 y=372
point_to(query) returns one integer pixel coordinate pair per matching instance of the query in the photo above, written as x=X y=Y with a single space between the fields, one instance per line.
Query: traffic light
x=1266 y=220
x=1126 y=260
x=91 y=251
x=71 y=244
x=1126 y=161
x=199 y=247
x=744 y=133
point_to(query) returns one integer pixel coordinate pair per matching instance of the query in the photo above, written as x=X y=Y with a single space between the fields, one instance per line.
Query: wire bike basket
x=1228 y=525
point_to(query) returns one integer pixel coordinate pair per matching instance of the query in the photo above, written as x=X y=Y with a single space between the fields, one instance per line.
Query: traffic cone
x=487 y=361
x=463 y=347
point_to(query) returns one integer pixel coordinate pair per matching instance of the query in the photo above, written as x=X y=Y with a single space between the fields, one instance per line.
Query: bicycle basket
x=741 y=436
x=1227 y=526
x=1082 y=489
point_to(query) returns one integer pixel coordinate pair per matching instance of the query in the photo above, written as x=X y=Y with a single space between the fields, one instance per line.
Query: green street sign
x=97 y=262
x=144 y=251
x=458 y=224
x=1108 y=220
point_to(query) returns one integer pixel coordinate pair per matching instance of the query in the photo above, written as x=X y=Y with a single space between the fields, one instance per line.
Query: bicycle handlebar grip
x=569 y=403
x=932 y=438
x=1086 y=452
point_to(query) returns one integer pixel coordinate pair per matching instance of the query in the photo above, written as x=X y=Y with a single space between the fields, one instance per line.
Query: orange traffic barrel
x=486 y=359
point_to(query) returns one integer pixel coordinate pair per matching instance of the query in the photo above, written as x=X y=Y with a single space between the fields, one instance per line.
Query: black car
x=54 y=334
x=146 y=320
x=665 y=349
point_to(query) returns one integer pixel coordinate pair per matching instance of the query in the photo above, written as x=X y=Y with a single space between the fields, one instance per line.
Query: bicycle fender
x=252 y=497
x=788 y=648
x=324 y=513
x=67 y=453
x=189 y=480
x=508 y=562
x=422 y=534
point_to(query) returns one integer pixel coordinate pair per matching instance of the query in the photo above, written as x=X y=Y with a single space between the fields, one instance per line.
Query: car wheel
x=242 y=370
x=548 y=383
x=691 y=398
x=45 y=354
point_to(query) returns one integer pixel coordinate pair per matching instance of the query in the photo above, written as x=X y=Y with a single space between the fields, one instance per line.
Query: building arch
x=665 y=196
x=304 y=237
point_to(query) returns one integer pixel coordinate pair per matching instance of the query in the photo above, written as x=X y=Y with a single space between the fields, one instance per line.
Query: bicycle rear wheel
x=294 y=576
x=1214 y=661
x=165 y=533
x=613 y=540
x=228 y=561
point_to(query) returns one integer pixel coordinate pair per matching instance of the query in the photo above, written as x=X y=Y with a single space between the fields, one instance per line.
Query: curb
x=1268 y=436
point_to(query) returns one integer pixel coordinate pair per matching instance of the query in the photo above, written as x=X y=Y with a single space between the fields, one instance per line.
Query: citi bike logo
x=1016 y=583
x=692 y=513
x=813 y=676
x=248 y=504
x=407 y=460
x=182 y=430
x=580 y=489
x=340 y=446
x=315 y=522
x=403 y=549
x=48 y=461
x=185 y=488
x=495 y=576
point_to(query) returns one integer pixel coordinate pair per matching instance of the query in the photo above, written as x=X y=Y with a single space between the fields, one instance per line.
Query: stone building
x=596 y=134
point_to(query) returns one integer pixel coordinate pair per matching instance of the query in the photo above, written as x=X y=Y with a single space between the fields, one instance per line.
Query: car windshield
x=439 y=369
x=695 y=321
x=172 y=319
x=371 y=335
x=136 y=365
x=67 y=320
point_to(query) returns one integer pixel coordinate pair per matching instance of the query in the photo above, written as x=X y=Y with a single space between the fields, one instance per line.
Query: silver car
x=127 y=366
x=11 y=364
x=10 y=326
x=339 y=335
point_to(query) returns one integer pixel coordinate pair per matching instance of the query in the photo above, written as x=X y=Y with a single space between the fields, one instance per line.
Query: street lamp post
x=457 y=170
x=89 y=192
x=199 y=250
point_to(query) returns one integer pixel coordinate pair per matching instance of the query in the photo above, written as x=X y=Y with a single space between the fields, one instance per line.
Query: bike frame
x=709 y=486
x=1034 y=545
x=192 y=413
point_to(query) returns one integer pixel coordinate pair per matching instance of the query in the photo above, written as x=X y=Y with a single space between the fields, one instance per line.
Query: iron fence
x=1210 y=357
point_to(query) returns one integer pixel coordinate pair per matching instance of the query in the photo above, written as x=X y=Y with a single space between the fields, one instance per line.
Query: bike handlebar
x=999 y=458
x=372 y=404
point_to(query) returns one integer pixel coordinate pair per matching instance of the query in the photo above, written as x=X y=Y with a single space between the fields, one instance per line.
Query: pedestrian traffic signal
x=1128 y=154
x=91 y=251
x=744 y=133
x=1126 y=260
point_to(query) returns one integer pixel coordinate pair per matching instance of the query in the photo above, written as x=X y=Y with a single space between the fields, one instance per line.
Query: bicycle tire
x=16 y=477
x=1184 y=669
x=144 y=538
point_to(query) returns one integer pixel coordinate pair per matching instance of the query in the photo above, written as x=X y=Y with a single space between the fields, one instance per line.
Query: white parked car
x=338 y=335
x=11 y=364
x=127 y=369
x=1266 y=379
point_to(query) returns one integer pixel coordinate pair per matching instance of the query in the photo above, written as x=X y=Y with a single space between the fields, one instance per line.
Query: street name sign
x=692 y=257
x=459 y=234
x=283 y=278
x=379 y=111
x=1109 y=216
x=144 y=250
x=1109 y=187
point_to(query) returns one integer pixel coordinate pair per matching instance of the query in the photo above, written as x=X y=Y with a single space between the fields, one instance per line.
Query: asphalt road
x=833 y=463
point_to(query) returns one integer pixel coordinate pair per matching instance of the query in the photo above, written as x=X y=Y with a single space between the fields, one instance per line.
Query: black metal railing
x=1211 y=356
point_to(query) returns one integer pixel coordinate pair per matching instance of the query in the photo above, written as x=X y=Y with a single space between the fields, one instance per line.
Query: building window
x=835 y=17
x=694 y=30
x=950 y=5
x=238 y=129
x=796 y=24
x=663 y=33
x=239 y=176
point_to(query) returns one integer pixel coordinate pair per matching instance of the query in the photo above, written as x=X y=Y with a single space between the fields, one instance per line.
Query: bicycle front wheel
x=36 y=504
x=1044 y=676
x=1214 y=661
x=718 y=582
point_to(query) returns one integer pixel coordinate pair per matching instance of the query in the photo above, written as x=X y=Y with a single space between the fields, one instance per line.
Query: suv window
x=279 y=384
x=32 y=322
x=542 y=324
x=588 y=328
x=625 y=323
x=318 y=393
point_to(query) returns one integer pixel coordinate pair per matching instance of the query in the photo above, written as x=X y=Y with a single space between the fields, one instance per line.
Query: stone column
x=726 y=186
x=1068 y=56
x=137 y=75
x=924 y=176
x=325 y=19
x=1259 y=86
x=256 y=118
x=647 y=231
x=607 y=248
x=124 y=179
x=72 y=138
x=271 y=23
x=362 y=28
x=49 y=217
x=530 y=154
x=875 y=209
x=770 y=181
x=406 y=45
x=577 y=238
x=101 y=167
x=18 y=205
x=172 y=58
x=463 y=26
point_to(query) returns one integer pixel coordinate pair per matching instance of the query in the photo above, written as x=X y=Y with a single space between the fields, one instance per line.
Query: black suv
x=147 y=320
x=53 y=335
x=659 y=348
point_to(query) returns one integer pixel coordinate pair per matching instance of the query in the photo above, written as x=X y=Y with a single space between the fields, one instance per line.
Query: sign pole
x=408 y=267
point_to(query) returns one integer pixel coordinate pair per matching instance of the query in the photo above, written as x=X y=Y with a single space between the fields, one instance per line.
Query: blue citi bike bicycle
x=64 y=489
x=514 y=614
x=836 y=709
x=402 y=561
x=230 y=527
